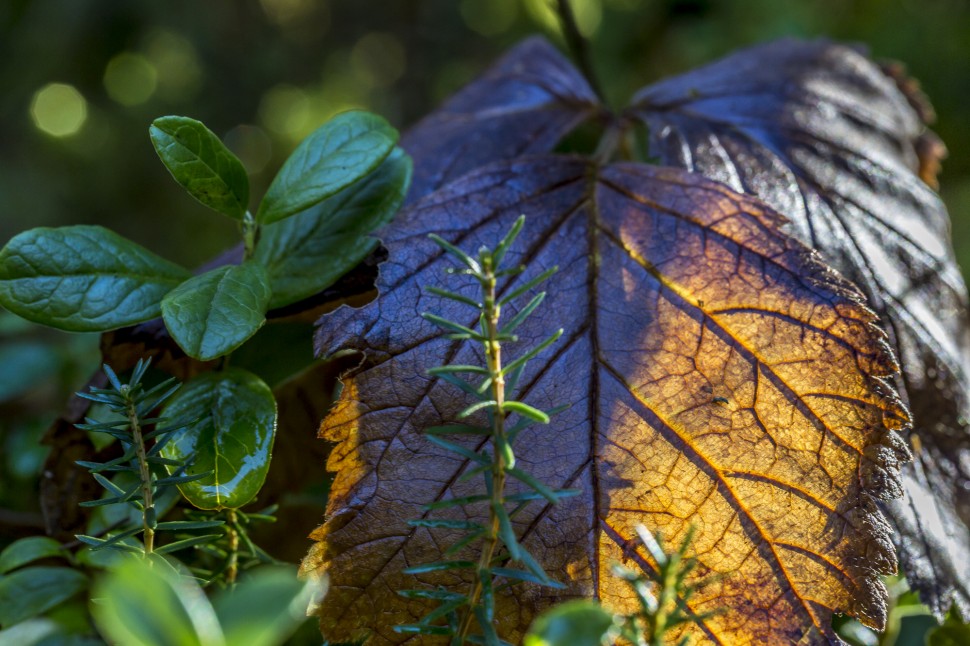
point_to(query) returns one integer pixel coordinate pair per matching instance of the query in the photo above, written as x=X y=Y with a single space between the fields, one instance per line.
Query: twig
x=577 y=43
x=493 y=353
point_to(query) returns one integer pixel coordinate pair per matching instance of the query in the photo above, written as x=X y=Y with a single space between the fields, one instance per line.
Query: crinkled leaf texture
x=215 y=312
x=333 y=157
x=200 y=162
x=719 y=375
x=83 y=278
x=837 y=144
x=311 y=250
x=525 y=103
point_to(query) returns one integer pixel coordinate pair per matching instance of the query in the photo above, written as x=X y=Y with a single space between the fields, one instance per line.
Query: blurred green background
x=82 y=79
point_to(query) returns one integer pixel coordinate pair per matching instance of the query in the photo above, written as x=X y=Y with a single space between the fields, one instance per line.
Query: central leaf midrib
x=215 y=173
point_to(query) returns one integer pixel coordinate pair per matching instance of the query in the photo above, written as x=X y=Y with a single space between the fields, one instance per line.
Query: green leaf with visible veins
x=214 y=313
x=232 y=436
x=83 y=279
x=310 y=251
x=336 y=155
x=201 y=163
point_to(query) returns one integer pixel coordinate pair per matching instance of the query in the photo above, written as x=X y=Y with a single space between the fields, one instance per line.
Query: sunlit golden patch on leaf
x=840 y=145
x=719 y=376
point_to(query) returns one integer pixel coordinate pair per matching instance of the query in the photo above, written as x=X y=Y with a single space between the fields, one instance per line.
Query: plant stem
x=250 y=233
x=232 y=570
x=577 y=43
x=148 y=514
x=493 y=359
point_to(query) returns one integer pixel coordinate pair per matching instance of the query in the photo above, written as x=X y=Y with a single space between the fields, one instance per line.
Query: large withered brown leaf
x=719 y=375
x=825 y=136
x=525 y=103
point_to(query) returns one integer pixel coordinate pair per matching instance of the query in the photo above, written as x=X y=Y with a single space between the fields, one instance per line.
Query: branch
x=577 y=43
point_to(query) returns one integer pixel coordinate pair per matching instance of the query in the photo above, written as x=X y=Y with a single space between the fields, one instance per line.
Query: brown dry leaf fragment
x=525 y=103
x=839 y=145
x=674 y=292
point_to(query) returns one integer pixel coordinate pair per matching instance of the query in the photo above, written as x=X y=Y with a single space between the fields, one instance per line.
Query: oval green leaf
x=83 y=279
x=141 y=605
x=310 y=251
x=201 y=163
x=34 y=590
x=336 y=155
x=573 y=623
x=214 y=313
x=27 y=550
x=232 y=437
x=266 y=610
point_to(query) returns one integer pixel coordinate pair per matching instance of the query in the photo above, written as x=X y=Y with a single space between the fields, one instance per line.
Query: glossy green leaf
x=264 y=610
x=83 y=278
x=232 y=437
x=336 y=155
x=201 y=163
x=27 y=550
x=573 y=623
x=142 y=605
x=32 y=591
x=311 y=250
x=214 y=313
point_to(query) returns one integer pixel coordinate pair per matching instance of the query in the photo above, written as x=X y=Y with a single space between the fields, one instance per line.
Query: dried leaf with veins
x=838 y=144
x=719 y=375
x=525 y=103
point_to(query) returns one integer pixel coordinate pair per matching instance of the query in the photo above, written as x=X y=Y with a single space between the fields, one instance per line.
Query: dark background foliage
x=264 y=73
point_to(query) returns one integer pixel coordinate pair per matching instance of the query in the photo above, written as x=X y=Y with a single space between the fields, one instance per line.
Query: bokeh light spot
x=252 y=145
x=284 y=12
x=489 y=17
x=589 y=14
x=285 y=110
x=378 y=59
x=177 y=64
x=59 y=109
x=130 y=79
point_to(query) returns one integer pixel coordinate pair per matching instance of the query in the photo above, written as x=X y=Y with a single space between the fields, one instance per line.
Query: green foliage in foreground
x=343 y=181
x=208 y=442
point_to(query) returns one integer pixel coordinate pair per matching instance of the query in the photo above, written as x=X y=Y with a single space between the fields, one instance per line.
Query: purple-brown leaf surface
x=719 y=376
x=828 y=138
x=525 y=103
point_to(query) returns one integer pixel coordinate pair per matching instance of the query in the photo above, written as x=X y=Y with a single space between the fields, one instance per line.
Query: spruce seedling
x=133 y=404
x=495 y=540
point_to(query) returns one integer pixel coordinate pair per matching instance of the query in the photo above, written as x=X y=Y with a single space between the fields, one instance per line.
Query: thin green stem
x=577 y=43
x=144 y=472
x=232 y=570
x=250 y=233
x=491 y=311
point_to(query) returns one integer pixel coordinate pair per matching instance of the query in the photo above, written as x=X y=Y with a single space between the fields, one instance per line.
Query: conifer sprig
x=457 y=615
x=132 y=404
x=662 y=593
